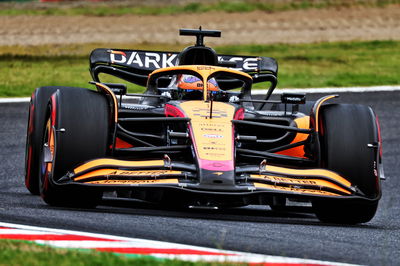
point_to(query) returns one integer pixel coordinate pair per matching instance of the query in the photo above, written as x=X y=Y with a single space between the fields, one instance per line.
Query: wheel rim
x=47 y=155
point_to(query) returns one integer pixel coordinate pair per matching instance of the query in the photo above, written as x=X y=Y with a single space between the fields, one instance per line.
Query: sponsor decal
x=143 y=59
x=134 y=107
x=205 y=68
x=300 y=182
x=296 y=190
x=213 y=154
x=135 y=182
x=218 y=173
x=285 y=180
x=211 y=129
x=155 y=60
x=205 y=112
x=375 y=167
x=106 y=173
x=241 y=62
x=221 y=148
x=213 y=136
x=293 y=99
x=144 y=173
x=119 y=52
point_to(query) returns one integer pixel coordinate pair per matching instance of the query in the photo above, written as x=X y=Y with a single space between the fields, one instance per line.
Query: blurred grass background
x=335 y=64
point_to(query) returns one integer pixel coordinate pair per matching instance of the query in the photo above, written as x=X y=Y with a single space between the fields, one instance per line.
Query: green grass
x=103 y=9
x=24 y=253
x=20 y=75
x=300 y=65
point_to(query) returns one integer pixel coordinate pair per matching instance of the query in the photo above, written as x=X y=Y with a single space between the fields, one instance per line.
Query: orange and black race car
x=196 y=137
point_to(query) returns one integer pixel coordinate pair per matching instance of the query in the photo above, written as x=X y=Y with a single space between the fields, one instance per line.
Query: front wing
x=268 y=180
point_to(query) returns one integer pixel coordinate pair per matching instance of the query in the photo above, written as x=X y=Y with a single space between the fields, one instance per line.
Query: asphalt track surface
x=251 y=229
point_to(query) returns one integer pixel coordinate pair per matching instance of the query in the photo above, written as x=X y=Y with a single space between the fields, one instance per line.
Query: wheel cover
x=47 y=156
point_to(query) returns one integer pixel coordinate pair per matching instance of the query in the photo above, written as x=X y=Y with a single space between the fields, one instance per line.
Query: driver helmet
x=192 y=87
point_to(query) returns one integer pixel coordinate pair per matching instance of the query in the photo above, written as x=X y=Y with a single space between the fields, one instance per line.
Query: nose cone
x=213 y=141
x=217 y=179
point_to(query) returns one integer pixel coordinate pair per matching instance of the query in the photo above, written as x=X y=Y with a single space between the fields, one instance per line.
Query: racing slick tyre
x=347 y=129
x=36 y=120
x=76 y=130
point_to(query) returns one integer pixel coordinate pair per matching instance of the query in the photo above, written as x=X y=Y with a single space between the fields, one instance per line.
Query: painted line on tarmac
x=277 y=91
x=142 y=247
x=15 y=100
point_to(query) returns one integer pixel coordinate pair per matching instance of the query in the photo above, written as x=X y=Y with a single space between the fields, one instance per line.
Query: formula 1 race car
x=197 y=138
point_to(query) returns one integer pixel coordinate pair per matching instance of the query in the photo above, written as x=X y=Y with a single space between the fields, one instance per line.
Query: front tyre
x=333 y=211
x=346 y=132
x=76 y=131
x=36 y=121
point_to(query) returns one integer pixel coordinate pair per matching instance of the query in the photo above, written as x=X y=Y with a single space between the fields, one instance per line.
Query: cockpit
x=197 y=82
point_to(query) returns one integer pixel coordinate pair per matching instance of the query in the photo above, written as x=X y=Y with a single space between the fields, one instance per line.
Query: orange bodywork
x=308 y=173
x=302 y=122
x=135 y=173
x=292 y=179
x=117 y=163
x=108 y=91
x=317 y=124
x=214 y=137
x=296 y=190
x=280 y=181
x=135 y=182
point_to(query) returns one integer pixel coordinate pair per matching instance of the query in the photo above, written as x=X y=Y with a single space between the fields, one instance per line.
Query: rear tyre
x=76 y=131
x=36 y=121
x=346 y=131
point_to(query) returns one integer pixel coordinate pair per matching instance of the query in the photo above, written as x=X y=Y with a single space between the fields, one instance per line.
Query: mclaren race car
x=196 y=137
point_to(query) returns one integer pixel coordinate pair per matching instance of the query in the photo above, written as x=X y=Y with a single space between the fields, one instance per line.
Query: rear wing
x=135 y=65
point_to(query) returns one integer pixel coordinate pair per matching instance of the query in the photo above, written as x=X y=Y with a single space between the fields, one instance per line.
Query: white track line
x=116 y=241
x=332 y=90
x=15 y=100
x=277 y=91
